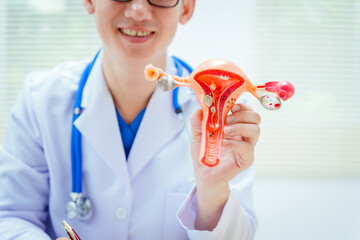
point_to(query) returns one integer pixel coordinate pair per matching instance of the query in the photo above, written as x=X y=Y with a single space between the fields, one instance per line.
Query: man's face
x=135 y=31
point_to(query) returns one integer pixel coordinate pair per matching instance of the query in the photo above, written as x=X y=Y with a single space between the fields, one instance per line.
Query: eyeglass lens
x=158 y=3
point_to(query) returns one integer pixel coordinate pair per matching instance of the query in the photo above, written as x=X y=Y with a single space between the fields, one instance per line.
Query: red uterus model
x=217 y=85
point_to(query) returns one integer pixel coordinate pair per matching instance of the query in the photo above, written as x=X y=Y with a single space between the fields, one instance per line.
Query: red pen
x=70 y=231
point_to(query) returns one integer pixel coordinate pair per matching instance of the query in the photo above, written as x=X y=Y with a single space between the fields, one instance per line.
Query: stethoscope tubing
x=76 y=156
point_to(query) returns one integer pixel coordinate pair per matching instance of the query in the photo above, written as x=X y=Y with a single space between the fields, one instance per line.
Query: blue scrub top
x=128 y=132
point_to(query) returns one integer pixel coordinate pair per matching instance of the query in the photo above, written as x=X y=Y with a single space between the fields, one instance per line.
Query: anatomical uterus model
x=217 y=85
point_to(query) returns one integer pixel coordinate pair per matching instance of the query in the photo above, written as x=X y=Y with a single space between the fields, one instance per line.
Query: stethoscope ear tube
x=178 y=110
x=80 y=207
x=179 y=62
x=76 y=158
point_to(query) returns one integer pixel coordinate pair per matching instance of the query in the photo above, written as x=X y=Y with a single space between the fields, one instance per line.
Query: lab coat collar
x=98 y=123
x=95 y=83
x=159 y=126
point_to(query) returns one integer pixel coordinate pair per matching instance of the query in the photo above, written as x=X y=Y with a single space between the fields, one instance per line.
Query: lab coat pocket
x=172 y=227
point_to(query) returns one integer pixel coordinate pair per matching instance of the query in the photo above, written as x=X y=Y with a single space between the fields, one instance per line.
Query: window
x=37 y=35
x=316 y=46
x=313 y=44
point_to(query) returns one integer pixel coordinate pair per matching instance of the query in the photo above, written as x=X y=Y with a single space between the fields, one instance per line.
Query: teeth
x=134 y=33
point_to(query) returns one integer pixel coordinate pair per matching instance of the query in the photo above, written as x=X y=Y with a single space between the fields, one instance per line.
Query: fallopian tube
x=217 y=85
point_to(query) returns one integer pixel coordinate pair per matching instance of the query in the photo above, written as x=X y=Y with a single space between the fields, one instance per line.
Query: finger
x=250 y=132
x=243 y=117
x=241 y=107
x=63 y=238
x=244 y=152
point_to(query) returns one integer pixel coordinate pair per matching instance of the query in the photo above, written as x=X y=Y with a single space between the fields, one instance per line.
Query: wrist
x=212 y=191
x=211 y=202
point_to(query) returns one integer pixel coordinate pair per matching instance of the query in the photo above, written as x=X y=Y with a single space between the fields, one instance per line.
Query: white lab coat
x=151 y=196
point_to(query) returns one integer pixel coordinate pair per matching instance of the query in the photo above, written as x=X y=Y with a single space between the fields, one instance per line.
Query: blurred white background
x=307 y=182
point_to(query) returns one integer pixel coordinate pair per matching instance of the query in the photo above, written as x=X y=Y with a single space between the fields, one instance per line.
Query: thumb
x=196 y=119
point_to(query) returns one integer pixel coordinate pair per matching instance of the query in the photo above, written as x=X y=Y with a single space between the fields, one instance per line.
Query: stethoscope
x=80 y=207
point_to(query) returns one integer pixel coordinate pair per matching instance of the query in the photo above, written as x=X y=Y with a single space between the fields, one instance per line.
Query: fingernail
x=235 y=108
x=229 y=119
x=228 y=129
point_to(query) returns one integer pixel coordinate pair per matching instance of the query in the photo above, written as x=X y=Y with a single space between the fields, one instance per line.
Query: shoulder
x=53 y=91
x=64 y=76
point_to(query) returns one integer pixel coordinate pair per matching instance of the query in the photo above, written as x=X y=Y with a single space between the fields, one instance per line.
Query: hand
x=241 y=133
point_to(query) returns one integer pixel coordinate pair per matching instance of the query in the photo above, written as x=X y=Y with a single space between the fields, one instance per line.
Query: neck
x=130 y=90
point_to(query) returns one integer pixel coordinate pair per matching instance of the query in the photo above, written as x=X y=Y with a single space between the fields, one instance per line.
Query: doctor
x=142 y=184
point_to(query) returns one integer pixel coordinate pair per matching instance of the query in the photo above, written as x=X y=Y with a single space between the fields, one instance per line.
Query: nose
x=138 y=10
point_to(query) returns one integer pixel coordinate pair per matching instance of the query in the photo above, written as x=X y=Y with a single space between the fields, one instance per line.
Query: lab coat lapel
x=98 y=122
x=158 y=127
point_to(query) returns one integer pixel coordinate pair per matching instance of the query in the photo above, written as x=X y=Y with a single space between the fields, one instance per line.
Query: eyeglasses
x=158 y=3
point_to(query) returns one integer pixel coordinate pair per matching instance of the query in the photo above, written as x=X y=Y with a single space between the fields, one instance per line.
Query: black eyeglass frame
x=149 y=1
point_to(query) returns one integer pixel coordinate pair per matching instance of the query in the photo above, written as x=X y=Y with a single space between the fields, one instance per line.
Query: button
x=121 y=213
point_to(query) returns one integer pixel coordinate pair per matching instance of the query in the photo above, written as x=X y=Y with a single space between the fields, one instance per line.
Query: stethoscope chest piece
x=80 y=208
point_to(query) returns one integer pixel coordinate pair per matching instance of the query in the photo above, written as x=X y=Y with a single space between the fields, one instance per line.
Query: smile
x=133 y=33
